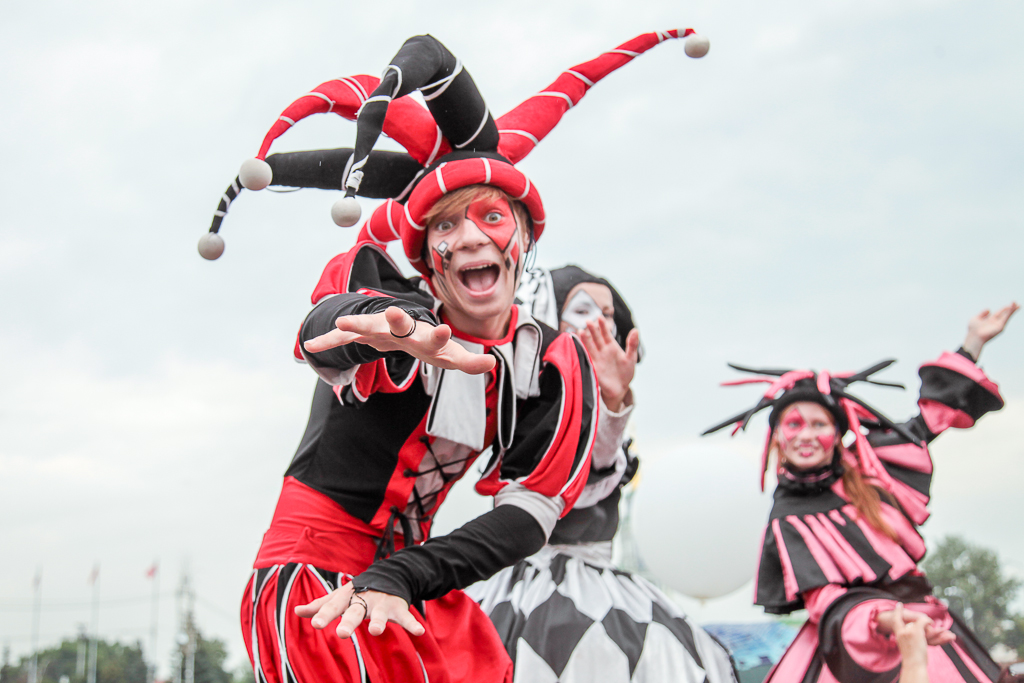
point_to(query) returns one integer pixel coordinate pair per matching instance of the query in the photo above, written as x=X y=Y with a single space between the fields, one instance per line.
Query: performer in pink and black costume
x=842 y=539
x=418 y=376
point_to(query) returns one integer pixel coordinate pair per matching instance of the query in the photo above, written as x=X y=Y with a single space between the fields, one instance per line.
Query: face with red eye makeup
x=806 y=435
x=474 y=245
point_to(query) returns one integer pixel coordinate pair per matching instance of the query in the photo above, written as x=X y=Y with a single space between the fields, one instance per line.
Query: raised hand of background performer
x=389 y=331
x=614 y=365
x=985 y=326
x=344 y=602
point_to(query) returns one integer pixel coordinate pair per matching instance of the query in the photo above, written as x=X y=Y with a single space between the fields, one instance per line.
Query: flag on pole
x=151 y=572
x=94 y=574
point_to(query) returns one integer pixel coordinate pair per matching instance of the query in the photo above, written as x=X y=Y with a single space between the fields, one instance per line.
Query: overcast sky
x=835 y=183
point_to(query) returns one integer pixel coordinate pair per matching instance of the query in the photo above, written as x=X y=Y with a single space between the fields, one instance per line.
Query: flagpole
x=95 y=624
x=36 y=594
x=153 y=619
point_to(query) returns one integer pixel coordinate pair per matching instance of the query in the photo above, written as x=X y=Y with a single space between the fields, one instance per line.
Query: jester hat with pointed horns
x=451 y=143
x=786 y=387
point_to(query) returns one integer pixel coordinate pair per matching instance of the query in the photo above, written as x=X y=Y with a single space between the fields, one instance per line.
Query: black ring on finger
x=404 y=336
x=356 y=598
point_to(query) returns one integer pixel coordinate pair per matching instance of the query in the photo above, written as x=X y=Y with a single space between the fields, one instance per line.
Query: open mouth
x=479 y=279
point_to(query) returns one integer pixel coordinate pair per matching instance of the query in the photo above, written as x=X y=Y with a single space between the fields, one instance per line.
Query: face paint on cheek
x=580 y=310
x=442 y=257
x=827 y=442
x=501 y=232
x=791 y=426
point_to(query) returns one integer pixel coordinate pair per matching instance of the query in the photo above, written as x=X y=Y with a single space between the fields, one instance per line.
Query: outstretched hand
x=984 y=326
x=387 y=332
x=614 y=365
x=354 y=607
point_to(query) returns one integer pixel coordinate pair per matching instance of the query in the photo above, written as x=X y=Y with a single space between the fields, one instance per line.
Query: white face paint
x=581 y=309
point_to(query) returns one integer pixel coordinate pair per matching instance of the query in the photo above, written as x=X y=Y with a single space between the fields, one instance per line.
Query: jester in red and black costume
x=842 y=539
x=418 y=377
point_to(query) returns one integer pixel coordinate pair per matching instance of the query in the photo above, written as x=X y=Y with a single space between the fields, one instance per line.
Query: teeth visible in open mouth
x=479 y=278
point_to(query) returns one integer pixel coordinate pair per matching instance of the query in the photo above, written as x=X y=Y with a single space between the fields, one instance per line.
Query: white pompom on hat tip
x=346 y=212
x=211 y=246
x=255 y=174
x=696 y=46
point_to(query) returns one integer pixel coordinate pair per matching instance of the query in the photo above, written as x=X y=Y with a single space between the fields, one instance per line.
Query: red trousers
x=312 y=547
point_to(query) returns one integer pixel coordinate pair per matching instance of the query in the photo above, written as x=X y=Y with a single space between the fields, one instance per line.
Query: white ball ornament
x=696 y=46
x=211 y=246
x=346 y=212
x=255 y=174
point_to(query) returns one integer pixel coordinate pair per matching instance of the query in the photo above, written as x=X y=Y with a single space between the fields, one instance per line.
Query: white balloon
x=697 y=519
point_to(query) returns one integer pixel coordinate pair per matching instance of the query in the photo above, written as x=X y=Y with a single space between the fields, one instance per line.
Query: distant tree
x=243 y=674
x=115 y=663
x=210 y=656
x=970 y=579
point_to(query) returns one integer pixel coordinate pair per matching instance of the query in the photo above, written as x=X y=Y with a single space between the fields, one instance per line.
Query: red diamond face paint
x=475 y=253
x=806 y=435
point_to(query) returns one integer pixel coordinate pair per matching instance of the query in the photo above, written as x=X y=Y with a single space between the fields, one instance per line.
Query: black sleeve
x=476 y=551
x=321 y=321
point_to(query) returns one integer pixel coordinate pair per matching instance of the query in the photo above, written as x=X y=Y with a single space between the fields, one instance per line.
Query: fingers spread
x=312 y=608
x=473 y=363
x=406 y=620
x=633 y=344
x=351 y=619
x=400 y=322
x=606 y=331
x=378 y=620
x=332 y=339
x=331 y=608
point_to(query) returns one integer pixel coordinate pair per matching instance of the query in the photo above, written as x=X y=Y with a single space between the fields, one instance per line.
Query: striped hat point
x=451 y=140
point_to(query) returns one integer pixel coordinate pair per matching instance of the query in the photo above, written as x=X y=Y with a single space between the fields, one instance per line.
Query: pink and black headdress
x=829 y=390
x=450 y=143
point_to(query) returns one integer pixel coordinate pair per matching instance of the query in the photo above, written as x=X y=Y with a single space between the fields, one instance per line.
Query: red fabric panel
x=443 y=654
x=310 y=527
x=407 y=122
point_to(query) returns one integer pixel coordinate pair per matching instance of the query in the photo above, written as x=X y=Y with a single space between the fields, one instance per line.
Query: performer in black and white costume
x=566 y=614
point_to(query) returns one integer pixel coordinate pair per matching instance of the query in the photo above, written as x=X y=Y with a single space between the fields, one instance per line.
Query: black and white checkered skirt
x=566 y=615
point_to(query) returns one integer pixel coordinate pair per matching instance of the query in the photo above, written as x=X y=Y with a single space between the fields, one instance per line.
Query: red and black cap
x=453 y=141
